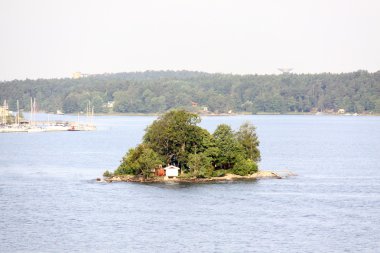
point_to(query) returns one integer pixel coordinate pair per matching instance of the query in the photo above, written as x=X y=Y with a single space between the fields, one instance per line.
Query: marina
x=52 y=127
x=12 y=122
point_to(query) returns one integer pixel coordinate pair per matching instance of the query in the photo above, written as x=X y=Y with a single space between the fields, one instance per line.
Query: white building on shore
x=171 y=171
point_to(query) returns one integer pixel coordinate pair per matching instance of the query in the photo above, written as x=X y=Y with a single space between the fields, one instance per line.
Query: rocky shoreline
x=228 y=177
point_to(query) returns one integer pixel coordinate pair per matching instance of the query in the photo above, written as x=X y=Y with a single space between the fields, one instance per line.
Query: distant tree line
x=159 y=91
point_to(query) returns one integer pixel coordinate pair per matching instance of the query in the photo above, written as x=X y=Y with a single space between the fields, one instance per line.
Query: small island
x=175 y=148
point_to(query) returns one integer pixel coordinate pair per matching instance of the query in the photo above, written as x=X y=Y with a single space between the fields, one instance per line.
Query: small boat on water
x=89 y=126
x=82 y=128
x=36 y=129
x=56 y=128
x=12 y=129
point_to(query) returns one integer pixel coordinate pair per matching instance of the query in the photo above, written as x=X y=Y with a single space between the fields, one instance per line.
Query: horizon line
x=184 y=70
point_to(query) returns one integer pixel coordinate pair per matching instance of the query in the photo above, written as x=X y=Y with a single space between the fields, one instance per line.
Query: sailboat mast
x=31 y=111
x=3 y=111
x=92 y=116
x=88 y=111
x=34 y=111
x=18 y=113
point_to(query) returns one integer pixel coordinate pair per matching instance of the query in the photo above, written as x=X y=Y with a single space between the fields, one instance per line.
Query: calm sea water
x=50 y=202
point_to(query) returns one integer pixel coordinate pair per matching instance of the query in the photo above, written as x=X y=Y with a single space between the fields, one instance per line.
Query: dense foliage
x=159 y=91
x=174 y=138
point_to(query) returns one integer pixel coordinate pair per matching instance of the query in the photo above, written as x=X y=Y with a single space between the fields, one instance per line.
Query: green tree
x=139 y=161
x=129 y=163
x=228 y=149
x=244 y=167
x=175 y=134
x=148 y=160
x=158 y=104
x=200 y=165
x=248 y=139
x=121 y=101
x=72 y=103
x=97 y=101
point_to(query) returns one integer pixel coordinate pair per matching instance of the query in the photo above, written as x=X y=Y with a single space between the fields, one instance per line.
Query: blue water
x=50 y=202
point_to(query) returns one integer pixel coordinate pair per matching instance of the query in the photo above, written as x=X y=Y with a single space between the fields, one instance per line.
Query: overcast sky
x=48 y=39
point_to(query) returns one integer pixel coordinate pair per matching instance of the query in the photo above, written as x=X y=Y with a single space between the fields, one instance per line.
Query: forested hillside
x=158 y=91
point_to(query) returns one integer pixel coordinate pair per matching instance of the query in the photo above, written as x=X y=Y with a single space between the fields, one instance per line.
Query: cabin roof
x=171 y=167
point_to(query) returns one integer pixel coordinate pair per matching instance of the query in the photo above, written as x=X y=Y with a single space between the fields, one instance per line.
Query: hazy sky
x=45 y=39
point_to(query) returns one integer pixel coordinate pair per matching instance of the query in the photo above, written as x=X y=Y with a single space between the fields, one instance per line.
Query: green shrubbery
x=139 y=161
x=244 y=167
x=107 y=174
x=219 y=173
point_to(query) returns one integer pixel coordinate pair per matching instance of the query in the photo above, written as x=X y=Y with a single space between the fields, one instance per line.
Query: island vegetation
x=176 y=139
x=160 y=91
